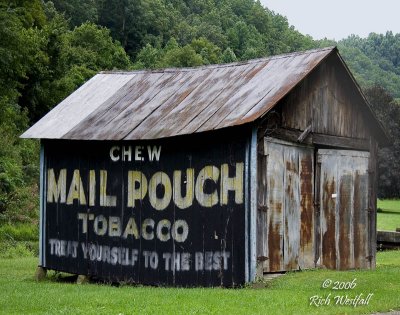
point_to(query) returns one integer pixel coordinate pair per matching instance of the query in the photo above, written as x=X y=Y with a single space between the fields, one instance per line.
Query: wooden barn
x=211 y=176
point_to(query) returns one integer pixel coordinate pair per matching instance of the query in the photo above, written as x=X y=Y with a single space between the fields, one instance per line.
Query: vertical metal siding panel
x=262 y=217
x=42 y=208
x=253 y=204
x=345 y=242
x=372 y=169
x=328 y=211
x=360 y=221
x=275 y=173
x=247 y=211
x=351 y=234
x=291 y=239
x=307 y=237
x=290 y=179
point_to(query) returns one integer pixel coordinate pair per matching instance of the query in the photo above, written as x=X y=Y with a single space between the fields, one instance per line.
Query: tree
x=41 y=62
x=388 y=112
x=78 y=11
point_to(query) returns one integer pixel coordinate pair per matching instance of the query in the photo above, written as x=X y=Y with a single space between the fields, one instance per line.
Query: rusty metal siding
x=345 y=233
x=92 y=199
x=285 y=219
x=158 y=104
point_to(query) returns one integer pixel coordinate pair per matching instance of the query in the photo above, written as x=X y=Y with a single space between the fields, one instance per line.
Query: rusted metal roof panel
x=158 y=104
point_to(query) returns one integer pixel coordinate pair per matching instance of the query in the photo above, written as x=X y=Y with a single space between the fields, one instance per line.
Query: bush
x=16 y=250
x=19 y=232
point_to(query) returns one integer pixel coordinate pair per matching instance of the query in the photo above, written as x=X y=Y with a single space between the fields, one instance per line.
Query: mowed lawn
x=388 y=215
x=289 y=294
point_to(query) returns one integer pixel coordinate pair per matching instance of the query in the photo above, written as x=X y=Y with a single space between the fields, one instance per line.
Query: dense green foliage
x=388 y=112
x=157 y=33
x=49 y=48
x=374 y=60
x=42 y=61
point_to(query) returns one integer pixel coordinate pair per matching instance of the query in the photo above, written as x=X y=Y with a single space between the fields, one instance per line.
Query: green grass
x=388 y=215
x=289 y=294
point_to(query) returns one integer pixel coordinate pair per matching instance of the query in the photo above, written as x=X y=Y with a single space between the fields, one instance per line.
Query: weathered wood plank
x=276 y=193
x=289 y=198
x=307 y=237
x=372 y=193
x=328 y=212
x=360 y=221
x=344 y=176
x=340 y=142
x=321 y=139
x=345 y=237
x=292 y=225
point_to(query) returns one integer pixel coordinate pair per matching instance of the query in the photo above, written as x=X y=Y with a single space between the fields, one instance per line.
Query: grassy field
x=289 y=294
x=388 y=215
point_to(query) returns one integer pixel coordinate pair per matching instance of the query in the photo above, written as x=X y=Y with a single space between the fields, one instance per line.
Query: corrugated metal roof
x=170 y=102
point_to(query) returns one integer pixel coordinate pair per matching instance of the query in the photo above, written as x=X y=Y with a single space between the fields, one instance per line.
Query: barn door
x=343 y=230
x=285 y=217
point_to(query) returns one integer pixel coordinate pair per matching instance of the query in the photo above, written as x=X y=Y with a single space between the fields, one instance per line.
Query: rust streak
x=328 y=239
x=256 y=70
x=344 y=220
x=306 y=202
x=357 y=224
x=274 y=247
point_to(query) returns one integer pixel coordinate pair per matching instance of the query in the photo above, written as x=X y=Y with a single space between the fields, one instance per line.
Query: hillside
x=49 y=48
x=374 y=60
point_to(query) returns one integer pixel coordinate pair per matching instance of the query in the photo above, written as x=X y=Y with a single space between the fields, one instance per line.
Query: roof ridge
x=223 y=65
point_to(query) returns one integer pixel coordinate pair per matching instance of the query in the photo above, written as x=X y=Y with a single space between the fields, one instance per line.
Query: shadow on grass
x=389 y=211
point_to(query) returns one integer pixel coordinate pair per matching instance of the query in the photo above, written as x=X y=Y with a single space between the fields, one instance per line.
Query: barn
x=210 y=176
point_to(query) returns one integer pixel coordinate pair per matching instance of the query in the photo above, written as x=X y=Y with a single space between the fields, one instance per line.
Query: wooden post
x=372 y=192
x=82 y=279
x=317 y=210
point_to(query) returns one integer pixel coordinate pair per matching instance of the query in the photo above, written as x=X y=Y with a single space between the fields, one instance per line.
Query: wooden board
x=344 y=228
x=120 y=211
x=285 y=220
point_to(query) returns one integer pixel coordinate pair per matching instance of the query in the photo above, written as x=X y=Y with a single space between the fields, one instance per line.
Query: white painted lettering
x=163 y=230
x=231 y=183
x=127 y=153
x=154 y=153
x=146 y=234
x=114 y=226
x=131 y=229
x=160 y=178
x=137 y=187
x=113 y=155
x=207 y=173
x=138 y=153
x=76 y=190
x=56 y=190
x=105 y=200
x=100 y=225
x=180 y=231
x=187 y=201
